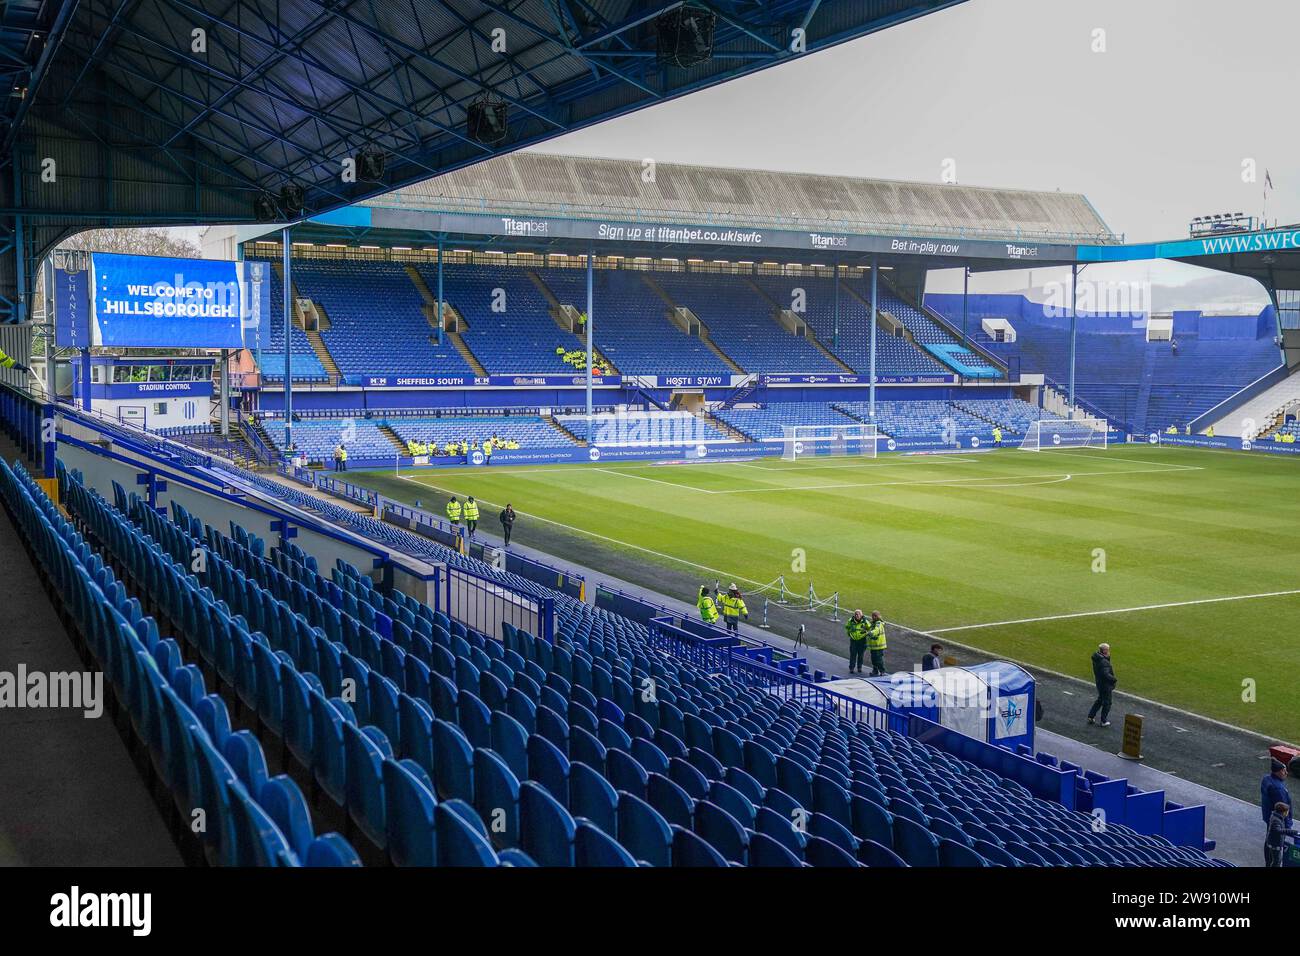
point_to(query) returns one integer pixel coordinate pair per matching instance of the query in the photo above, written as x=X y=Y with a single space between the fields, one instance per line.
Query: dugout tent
x=991 y=702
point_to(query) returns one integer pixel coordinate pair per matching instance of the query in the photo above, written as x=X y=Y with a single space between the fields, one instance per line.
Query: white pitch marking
x=625 y=544
x=657 y=481
x=1136 y=461
x=1117 y=610
x=941 y=481
x=899 y=461
x=1088 y=683
x=1030 y=484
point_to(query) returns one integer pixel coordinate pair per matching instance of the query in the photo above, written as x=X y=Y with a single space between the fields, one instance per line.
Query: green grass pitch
x=975 y=547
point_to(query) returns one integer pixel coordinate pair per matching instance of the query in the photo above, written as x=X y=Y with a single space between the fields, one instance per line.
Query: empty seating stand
x=457 y=748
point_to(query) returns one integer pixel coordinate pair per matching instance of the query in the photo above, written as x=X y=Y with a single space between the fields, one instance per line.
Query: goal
x=816 y=441
x=1065 y=433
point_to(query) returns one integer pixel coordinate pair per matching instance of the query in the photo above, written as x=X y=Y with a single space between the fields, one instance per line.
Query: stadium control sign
x=690 y=234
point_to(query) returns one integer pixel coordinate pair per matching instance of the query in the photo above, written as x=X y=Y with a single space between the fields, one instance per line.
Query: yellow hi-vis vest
x=487 y=449
x=732 y=606
x=708 y=610
x=876 y=636
x=857 y=630
x=453 y=511
x=471 y=511
x=343 y=454
x=6 y=361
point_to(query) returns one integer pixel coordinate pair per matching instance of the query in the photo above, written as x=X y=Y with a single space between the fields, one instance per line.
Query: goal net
x=816 y=441
x=1065 y=433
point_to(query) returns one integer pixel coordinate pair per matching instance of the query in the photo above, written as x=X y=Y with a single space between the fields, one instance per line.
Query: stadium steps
x=707 y=339
x=728 y=430
x=968 y=342
x=563 y=317
x=259 y=429
x=323 y=354
x=809 y=334
x=430 y=301
x=550 y=420
x=1145 y=382
x=387 y=432
x=448 y=310
x=982 y=417
x=462 y=347
x=906 y=336
x=1261 y=408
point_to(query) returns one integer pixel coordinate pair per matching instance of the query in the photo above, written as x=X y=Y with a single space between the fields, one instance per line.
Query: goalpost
x=1065 y=433
x=809 y=441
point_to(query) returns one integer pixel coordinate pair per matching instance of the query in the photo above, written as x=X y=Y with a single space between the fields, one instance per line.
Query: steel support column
x=287 y=256
x=871 y=371
x=591 y=317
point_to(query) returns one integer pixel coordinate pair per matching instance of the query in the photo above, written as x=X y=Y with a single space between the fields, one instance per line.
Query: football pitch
x=1186 y=561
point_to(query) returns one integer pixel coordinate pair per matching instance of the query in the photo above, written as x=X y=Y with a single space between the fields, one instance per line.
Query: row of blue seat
x=240 y=821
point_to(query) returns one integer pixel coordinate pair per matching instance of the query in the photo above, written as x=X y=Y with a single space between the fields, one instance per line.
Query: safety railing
x=484 y=604
x=721 y=655
x=21 y=417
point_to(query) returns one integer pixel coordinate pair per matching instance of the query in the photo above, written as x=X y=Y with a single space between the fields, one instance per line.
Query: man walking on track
x=453 y=511
x=471 y=515
x=507 y=523
x=1103 y=674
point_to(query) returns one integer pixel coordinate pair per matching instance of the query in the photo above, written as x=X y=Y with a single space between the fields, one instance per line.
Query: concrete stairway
x=550 y=420
x=391 y=435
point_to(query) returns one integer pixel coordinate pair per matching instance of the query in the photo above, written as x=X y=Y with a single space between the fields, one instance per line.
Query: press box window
x=160 y=408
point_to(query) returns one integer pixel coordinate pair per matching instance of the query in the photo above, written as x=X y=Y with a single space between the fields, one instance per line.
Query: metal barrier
x=345 y=489
x=483 y=604
x=720 y=655
x=422 y=523
x=21 y=415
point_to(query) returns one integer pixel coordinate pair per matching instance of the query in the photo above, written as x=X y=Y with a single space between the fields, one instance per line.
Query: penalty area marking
x=951 y=481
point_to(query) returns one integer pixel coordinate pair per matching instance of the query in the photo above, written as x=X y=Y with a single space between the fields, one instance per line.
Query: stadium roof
x=125 y=112
x=538 y=184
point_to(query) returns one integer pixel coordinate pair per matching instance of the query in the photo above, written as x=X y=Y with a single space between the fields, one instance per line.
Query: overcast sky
x=1153 y=129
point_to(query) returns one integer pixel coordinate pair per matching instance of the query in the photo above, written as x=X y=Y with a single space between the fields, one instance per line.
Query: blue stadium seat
x=459 y=841
x=545 y=826
x=693 y=851
x=592 y=846
x=643 y=831
x=593 y=796
x=496 y=797
x=409 y=814
x=914 y=843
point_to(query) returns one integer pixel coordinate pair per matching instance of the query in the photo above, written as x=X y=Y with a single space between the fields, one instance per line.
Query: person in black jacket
x=507 y=522
x=1278 y=829
x=1103 y=674
x=933 y=660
